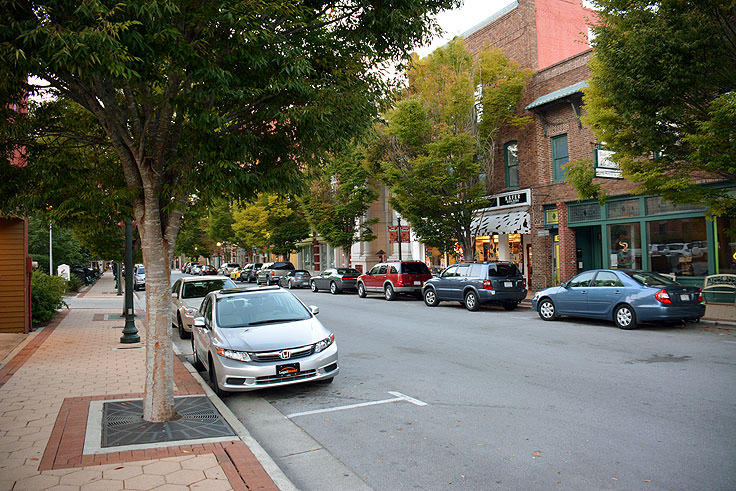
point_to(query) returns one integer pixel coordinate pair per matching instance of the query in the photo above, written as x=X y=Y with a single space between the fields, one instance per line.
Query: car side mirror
x=198 y=322
x=314 y=309
x=174 y=295
x=564 y=284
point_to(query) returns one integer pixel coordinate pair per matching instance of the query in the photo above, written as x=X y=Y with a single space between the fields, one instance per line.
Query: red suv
x=392 y=278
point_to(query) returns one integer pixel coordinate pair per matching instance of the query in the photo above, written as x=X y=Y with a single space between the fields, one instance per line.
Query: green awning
x=558 y=94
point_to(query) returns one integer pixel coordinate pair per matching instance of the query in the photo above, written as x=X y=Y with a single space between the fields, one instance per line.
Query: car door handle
x=583 y=292
x=617 y=292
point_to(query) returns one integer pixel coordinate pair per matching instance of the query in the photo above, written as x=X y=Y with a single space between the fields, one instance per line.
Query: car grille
x=277 y=379
x=266 y=356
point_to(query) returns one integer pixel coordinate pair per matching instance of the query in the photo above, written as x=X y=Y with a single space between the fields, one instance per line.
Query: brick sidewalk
x=45 y=392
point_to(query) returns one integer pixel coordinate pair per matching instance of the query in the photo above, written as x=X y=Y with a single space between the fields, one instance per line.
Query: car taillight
x=523 y=283
x=400 y=280
x=700 y=296
x=487 y=285
x=662 y=296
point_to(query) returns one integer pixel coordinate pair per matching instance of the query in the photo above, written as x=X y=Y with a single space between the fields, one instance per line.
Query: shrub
x=74 y=284
x=47 y=295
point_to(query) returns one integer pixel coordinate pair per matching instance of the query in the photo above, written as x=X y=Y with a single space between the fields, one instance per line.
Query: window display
x=625 y=245
x=678 y=247
x=725 y=228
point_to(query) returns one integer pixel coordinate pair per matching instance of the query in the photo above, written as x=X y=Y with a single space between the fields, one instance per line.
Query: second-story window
x=511 y=153
x=560 y=156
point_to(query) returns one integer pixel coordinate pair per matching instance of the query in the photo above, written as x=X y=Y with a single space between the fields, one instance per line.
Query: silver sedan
x=253 y=338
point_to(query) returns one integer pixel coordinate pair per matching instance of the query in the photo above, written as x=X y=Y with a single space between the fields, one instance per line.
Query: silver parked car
x=261 y=337
x=139 y=277
x=186 y=296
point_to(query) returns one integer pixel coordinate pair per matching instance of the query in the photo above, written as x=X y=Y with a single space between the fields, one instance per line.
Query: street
x=512 y=401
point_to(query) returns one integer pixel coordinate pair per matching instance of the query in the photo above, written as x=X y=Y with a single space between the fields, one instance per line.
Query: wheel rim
x=291 y=285
x=470 y=301
x=333 y=288
x=389 y=291
x=430 y=297
x=314 y=286
x=361 y=289
x=547 y=310
x=624 y=316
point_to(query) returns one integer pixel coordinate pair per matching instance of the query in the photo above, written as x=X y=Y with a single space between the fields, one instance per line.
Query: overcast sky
x=459 y=20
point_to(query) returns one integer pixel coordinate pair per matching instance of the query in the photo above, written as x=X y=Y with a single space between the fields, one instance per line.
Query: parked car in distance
x=185 y=267
x=476 y=283
x=251 y=338
x=335 y=280
x=393 y=278
x=270 y=273
x=207 y=270
x=139 y=277
x=250 y=272
x=186 y=296
x=195 y=269
x=297 y=278
x=227 y=268
x=627 y=297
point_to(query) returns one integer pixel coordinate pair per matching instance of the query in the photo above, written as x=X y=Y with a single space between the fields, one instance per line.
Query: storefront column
x=504 y=249
x=568 y=259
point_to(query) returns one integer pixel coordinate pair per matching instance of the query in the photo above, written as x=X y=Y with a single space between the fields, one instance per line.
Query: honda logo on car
x=285 y=354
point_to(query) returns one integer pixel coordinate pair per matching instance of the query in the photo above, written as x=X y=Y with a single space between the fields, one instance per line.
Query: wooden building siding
x=13 y=278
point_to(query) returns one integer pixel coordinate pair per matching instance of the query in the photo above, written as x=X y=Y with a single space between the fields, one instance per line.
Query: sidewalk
x=49 y=389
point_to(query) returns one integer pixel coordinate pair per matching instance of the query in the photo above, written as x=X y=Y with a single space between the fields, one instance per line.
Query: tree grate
x=123 y=424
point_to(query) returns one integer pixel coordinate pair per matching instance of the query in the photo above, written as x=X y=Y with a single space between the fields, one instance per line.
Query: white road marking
x=399 y=398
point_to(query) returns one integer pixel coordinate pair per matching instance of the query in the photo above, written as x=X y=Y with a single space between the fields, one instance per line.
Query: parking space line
x=399 y=398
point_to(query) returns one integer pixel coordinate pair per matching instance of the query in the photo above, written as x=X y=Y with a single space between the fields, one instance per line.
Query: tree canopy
x=661 y=96
x=441 y=139
x=271 y=223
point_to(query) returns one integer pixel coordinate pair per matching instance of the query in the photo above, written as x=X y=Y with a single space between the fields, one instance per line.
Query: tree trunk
x=158 y=398
x=468 y=247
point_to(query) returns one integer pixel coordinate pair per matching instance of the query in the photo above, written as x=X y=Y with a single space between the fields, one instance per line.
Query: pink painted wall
x=562 y=30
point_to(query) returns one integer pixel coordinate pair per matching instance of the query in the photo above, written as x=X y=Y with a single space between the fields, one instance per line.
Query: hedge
x=47 y=295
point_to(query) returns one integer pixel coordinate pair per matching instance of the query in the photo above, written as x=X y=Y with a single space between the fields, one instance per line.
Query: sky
x=456 y=21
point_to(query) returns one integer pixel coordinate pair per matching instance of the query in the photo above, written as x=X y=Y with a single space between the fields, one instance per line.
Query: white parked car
x=186 y=296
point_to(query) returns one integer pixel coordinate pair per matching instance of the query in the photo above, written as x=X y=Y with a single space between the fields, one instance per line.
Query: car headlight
x=191 y=311
x=322 y=345
x=232 y=354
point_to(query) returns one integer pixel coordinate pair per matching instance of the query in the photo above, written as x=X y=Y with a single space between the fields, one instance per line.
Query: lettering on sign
x=508 y=200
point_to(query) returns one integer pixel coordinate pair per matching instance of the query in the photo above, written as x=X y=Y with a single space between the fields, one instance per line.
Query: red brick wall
x=562 y=30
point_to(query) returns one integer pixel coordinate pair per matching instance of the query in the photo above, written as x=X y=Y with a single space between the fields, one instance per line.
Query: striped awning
x=509 y=222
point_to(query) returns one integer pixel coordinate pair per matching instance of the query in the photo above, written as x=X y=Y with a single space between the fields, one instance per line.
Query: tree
x=66 y=248
x=441 y=139
x=205 y=98
x=192 y=239
x=220 y=221
x=270 y=222
x=339 y=197
x=661 y=96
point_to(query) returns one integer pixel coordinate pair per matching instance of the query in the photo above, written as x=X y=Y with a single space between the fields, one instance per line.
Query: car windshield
x=198 y=289
x=260 y=308
x=650 y=279
x=505 y=270
x=348 y=271
x=414 y=268
x=141 y=270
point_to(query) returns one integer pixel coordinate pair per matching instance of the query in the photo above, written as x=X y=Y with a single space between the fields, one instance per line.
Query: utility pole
x=130 y=333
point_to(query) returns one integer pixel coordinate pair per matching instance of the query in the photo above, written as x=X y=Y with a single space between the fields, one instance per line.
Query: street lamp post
x=130 y=333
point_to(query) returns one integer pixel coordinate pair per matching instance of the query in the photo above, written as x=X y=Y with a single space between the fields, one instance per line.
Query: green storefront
x=645 y=232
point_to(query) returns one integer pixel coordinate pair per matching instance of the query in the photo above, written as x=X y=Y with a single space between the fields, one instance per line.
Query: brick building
x=535 y=218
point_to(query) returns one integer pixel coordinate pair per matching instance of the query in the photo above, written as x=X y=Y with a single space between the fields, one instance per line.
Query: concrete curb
x=271 y=468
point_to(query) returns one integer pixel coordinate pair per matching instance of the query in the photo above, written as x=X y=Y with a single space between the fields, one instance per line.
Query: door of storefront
x=589 y=248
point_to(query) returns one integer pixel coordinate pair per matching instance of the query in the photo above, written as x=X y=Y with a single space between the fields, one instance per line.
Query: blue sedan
x=627 y=297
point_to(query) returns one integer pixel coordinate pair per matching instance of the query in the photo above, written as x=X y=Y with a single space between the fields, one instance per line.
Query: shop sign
x=509 y=199
x=543 y=233
x=605 y=166
x=551 y=217
x=393 y=233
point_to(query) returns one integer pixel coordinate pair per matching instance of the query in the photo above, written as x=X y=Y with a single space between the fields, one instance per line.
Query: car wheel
x=291 y=285
x=213 y=379
x=624 y=317
x=195 y=359
x=546 y=310
x=388 y=292
x=509 y=305
x=430 y=298
x=471 y=301
x=361 y=290
x=180 y=325
x=333 y=288
x=313 y=286
x=268 y=281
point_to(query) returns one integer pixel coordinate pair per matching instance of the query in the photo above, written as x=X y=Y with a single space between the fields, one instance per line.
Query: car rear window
x=348 y=271
x=505 y=270
x=650 y=279
x=414 y=268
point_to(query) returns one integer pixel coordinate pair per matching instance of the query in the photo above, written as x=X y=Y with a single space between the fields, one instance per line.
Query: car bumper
x=408 y=289
x=238 y=376
x=299 y=283
x=489 y=296
x=649 y=313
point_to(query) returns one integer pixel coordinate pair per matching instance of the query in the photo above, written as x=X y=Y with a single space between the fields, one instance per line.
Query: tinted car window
x=582 y=280
x=375 y=270
x=650 y=279
x=141 y=270
x=505 y=270
x=348 y=271
x=414 y=268
x=393 y=270
x=450 y=272
x=197 y=289
x=607 y=278
x=382 y=269
x=175 y=288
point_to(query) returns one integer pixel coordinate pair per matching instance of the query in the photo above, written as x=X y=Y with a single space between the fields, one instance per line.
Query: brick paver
x=45 y=393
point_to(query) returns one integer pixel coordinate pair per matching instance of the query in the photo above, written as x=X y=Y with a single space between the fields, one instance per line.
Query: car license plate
x=685 y=298
x=508 y=284
x=288 y=370
x=418 y=283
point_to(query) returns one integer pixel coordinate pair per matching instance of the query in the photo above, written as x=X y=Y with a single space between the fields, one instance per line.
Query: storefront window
x=486 y=248
x=678 y=247
x=726 y=245
x=625 y=245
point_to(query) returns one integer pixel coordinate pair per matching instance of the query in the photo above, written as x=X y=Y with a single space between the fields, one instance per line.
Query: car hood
x=550 y=291
x=192 y=302
x=270 y=337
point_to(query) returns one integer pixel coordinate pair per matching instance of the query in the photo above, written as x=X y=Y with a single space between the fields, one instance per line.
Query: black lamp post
x=130 y=333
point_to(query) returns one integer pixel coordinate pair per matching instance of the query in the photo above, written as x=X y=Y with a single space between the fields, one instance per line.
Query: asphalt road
x=517 y=403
